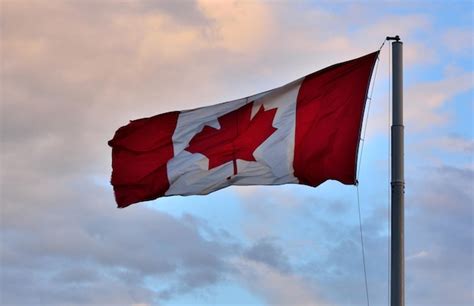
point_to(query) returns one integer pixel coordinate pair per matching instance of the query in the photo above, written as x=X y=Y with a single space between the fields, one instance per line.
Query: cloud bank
x=72 y=72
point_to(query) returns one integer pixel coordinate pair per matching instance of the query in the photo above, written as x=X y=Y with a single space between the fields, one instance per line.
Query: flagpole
x=397 y=290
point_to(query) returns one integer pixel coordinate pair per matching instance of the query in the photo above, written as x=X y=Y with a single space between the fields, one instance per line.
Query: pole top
x=396 y=38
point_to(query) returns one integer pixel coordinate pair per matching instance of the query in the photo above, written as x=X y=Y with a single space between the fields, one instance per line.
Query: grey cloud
x=184 y=11
x=439 y=224
x=439 y=240
x=74 y=72
x=439 y=245
x=268 y=252
x=85 y=242
x=77 y=274
x=39 y=290
x=67 y=77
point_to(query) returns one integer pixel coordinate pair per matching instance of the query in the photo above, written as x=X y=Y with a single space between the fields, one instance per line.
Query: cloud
x=458 y=40
x=453 y=144
x=425 y=103
x=438 y=233
x=426 y=99
x=237 y=26
x=264 y=251
x=419 y=255
x=80 y=243
x=72 y=72
x=277 y=288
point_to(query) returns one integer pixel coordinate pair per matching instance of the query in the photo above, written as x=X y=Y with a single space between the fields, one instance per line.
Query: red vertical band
x=140 y=152
x=329 y=114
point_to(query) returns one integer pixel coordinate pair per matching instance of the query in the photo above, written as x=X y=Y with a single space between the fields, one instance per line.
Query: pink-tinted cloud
x=72 y=72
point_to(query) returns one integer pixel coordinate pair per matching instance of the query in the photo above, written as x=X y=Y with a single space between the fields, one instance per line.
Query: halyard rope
x=369 y=98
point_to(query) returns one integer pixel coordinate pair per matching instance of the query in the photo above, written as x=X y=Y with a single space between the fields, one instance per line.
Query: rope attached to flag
x=362 y=140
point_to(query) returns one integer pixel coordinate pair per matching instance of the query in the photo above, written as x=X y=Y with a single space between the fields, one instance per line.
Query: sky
x=72 y=72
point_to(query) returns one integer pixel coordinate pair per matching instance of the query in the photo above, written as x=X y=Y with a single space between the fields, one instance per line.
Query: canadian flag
x=305 y=132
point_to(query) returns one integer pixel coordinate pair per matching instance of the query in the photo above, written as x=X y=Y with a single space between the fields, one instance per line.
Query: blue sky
x=72 y=72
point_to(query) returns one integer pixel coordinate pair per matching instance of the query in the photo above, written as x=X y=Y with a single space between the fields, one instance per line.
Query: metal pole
x=397 y=290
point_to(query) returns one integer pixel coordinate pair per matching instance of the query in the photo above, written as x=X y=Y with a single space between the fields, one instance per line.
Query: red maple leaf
x=237 y=138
